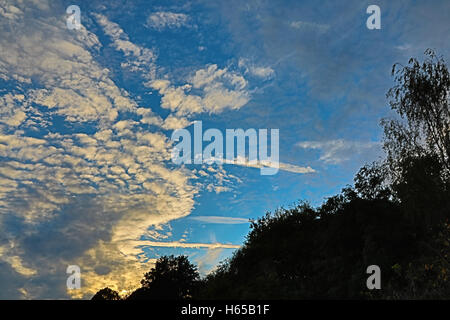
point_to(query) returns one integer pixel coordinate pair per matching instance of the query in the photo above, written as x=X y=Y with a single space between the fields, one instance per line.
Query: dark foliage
x=172 y=278
x=106 y=294
x=322 y=253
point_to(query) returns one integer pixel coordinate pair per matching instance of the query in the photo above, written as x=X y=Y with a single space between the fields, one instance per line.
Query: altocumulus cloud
x=74 y=197
x=69 y=197
x=85 y=169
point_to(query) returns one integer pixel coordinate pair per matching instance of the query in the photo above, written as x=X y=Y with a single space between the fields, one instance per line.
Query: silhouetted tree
x=106 y=294
x=421 y=98
x=418 y=144
x=171 y=278
x=315 y=253
x=372 y=181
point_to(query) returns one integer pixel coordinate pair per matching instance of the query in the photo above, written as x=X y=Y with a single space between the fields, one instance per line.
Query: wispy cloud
x=338 y=151
x=178 y=244
x=165 y=19
x=309 y=26
x=208 y=262
x=138 y=58
x=267 y=164
x=220 y=220
x=263 y=72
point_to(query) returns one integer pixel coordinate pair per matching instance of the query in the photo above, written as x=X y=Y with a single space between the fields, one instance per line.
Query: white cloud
x=216 y=91
x=173 y=122
x=220 y=220
x=295 y=169
x=162 y=19
x=262 y=72
x=178 y=244
x=208 y=262
x=404 y=47
x=256 y=71
x=139 y=58
x=15 y=261
x=309 y=26
x=338 y=151
x=100 y=191
x=268 y=164
x=12 y=110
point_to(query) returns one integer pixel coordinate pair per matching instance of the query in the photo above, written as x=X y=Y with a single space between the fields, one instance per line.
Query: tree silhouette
x=418 y=144
x=171 y=278
x=421 y=98
x=106 y=294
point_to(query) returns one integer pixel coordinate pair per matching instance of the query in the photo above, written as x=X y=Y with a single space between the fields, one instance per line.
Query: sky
x=87 y=116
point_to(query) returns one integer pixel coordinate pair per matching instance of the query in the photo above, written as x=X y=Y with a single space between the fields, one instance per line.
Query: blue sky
x=86 y=176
